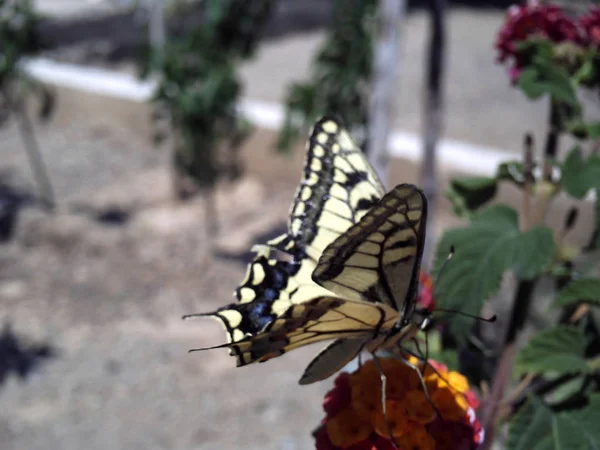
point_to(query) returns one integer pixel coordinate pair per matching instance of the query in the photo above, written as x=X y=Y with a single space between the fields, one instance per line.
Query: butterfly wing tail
x=332 y=359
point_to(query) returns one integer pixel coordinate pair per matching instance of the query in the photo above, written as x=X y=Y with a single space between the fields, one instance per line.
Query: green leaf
x=537 y=427
x=529 y=428
x=582 y=290
x=584 y=130
x=545 y=78
x=484 y=250
x=593 y=130
x=511 y=171
x=532 y=252
x=559 y=350
x=474 y=191
x=580 y=175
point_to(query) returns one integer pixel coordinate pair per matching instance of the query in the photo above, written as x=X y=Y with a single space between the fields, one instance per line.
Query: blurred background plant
x=547 y=348
x=341 y=76
x=198 y=93
x=18 y=39
x=199 y=86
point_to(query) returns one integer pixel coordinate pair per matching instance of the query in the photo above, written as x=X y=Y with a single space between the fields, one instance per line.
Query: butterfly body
x=346 y=270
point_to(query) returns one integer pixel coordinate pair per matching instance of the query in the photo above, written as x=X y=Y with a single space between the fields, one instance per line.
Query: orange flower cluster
x=354 y=412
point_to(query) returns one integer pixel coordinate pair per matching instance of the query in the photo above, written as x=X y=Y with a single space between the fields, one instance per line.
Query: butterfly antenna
x=448 y=258
x=483 y=319
x=472 y=316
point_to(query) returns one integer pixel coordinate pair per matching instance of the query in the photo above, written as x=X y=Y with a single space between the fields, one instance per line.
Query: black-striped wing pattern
x=337 y=188
x=379 y=258
x=373 y=268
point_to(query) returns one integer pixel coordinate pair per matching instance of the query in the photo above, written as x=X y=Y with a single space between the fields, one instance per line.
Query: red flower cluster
x=546 y=22
x=355 y=420
x=425 y=298
x=590 y=24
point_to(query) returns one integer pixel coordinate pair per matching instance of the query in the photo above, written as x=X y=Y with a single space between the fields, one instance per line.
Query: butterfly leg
x=421 y=356
x=426 y=361
x=416 y=369
x=383 y=398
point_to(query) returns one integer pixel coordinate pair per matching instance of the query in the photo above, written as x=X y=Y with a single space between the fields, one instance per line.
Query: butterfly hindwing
x=332 y=359
x=320 y=319
x=378 y=259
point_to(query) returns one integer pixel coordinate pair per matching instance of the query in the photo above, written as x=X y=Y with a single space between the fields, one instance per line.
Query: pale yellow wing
x=320 y=319
x=337 y=188
x=378 y=259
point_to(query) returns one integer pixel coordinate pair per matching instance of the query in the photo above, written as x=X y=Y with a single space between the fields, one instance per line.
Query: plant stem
x=524 y=294
x=385 y=71
x=551 y=146
x=433 y=113
x=490 y=406
x=528 y=181
x=33 y=152
x=539 y=388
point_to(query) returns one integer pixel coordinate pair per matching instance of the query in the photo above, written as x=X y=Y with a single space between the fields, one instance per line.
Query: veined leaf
x=537 y=427
x=543 y=78
x=529 y=428
x=584 y=289
x=559 y=350
x=484 y=250
x=579 y=175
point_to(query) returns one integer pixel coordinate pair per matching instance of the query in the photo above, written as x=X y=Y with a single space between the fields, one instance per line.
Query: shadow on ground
x=20 y=358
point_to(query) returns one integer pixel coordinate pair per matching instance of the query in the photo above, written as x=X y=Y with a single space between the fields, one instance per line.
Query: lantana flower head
x=590 y=24
x=533 y=21
x=355 y=419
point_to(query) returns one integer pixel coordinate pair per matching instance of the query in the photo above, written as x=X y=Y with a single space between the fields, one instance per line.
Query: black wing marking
x=379 y=258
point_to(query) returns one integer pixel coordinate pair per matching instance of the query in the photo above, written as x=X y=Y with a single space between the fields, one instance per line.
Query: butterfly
x=346 y=270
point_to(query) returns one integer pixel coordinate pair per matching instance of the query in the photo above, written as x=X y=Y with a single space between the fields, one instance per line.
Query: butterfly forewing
x=338 y=187
x=378 y=259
